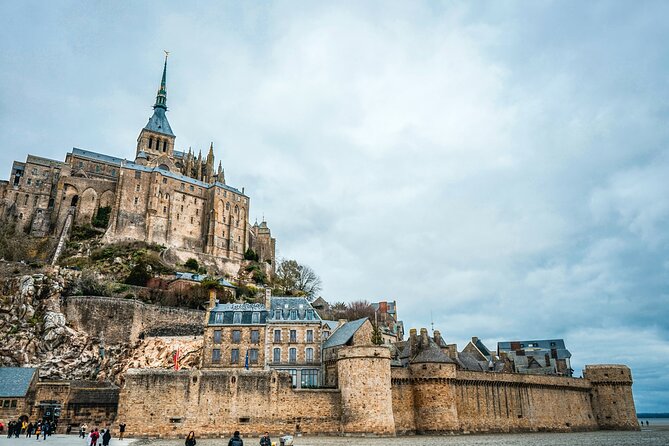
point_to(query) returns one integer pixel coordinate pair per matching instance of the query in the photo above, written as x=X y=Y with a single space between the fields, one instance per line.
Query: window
x=277 y=356
x=219 y=318
x=138 y=175
x=164 y=209
x=293 y=335
x=29 y=181
x=237 y=318
x=234 y=356
x=25 y=202
x=293 y=377
x=197 y=212
x=164 y=180
x=5 y=403
x=309 y=354
x=136 y=200
x=277 y=314
x=217 y=336
x=255 y=317
x=216 y=355
x=253 y=356
x=255 y=337
x=191 y=220
x=97 y=168
x=277 y=335
x=137 y=188
x=326 y=334
x=182 y=186
x=81 y=164
x=310 y=336
x=310 y=315
x=150 y=142
x=292 y=355
x=192 y=188
x=309 y=378
x=293 y=315
x=182 y=208
x=113 y=172
x=236 y=336
x=227 y=206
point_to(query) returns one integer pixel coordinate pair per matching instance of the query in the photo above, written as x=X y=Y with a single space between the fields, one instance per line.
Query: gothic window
x=237 y=210
x=164 y=145
x=197 y=212
x=167 y=197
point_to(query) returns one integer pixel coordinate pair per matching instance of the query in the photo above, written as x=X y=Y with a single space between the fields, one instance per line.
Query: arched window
x=151 y=142
x=75 y=200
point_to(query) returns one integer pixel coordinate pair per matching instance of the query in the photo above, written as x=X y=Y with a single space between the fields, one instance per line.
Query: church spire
x=161 y=97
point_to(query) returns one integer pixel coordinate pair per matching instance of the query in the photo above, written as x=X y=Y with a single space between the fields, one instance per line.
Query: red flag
x=177 y=353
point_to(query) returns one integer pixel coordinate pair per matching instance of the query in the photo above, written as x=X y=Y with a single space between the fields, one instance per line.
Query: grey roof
x=331 y=324
x=537 y=347
x=200 y=277
x=239 y=307
x=431 y=354
x=158 y=122
x=344 y=333
x=134 y=166
x=15 y=381
x=288 y=303
x=44 y=161
x=469 y=362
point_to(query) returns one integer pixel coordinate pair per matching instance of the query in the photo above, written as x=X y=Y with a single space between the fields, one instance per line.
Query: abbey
x=163 y=196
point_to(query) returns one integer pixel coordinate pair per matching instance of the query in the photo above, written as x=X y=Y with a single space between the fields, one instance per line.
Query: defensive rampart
x=124 y=320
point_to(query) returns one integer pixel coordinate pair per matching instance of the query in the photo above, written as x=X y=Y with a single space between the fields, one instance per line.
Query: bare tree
x=295 y=279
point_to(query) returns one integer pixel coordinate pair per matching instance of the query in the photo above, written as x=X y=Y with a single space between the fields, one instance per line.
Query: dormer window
x=310 y=315
x=255 y=317
x=277 y=314
x=237 y=318
x=293 y=315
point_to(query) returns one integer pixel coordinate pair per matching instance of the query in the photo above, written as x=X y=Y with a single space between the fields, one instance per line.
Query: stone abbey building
x=164 y=196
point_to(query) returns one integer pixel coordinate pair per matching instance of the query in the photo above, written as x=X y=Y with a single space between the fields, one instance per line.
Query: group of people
x=96 y=437
x=236 y=440
x=20 y=427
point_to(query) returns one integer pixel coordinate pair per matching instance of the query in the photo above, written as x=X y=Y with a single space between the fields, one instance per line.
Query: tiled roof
x=158 y=122
x=344 y=333
x=15 y=381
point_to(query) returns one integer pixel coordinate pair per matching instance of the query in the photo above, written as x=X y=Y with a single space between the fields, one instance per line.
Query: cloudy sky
x=499 y=168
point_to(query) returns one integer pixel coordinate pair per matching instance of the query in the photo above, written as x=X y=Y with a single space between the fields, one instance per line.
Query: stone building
x=392 y=329
x=166 y=196
x=17 y=392
x=545 y=357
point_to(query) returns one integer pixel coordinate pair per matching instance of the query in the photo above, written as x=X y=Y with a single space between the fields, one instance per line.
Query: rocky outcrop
x=36 y=333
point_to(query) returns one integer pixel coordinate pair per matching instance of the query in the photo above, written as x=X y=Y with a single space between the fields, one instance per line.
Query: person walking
x=106 y=437
x=190 y=439
x=29 y=430
x=236 y=440
x=265 y=441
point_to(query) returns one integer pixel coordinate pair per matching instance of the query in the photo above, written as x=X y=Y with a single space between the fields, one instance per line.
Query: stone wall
x=215 y=403
x=612 y=400
x=120 y=321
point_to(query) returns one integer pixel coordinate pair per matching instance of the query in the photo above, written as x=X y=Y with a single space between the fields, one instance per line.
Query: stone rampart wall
x=216 y=403
x=124 y=320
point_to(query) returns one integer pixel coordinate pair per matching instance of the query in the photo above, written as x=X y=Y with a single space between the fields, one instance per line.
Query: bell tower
x=156 y=138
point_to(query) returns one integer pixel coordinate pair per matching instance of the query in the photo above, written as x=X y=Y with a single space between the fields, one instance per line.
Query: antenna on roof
x=432 y=322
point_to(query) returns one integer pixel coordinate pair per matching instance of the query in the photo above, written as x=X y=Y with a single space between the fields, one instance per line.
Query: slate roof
x=431 y=354
x=332 y=324
x=200 y=277
x=158 y=122
x=539 y=347
x=288 y=303
x=344 y=333
x=223 y=314
x=469 y=362
x=15 y=381
x=131 y=165
x=44 y=161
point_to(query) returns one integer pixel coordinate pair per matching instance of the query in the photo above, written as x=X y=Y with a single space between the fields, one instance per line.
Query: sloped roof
x=15 y=381
x=200 y=277
x=344 y=333
x=431 y=354
x=288 y=303
x=158 y=122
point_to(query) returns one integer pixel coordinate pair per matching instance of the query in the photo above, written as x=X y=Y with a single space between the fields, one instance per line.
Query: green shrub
x=139 y=275
x=101 y=219
x=192 y=264
x=250 y=255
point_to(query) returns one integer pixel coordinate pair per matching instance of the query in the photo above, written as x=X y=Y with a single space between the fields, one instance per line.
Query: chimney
x=268 y=298
x=424 y=339
x=413 y=340
x=212 y=298
x=437 y=337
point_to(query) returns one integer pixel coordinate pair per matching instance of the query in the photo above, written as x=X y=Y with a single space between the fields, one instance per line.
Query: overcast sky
x=499 y=168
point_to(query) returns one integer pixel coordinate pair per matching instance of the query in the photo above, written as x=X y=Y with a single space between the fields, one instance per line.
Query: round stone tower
x=611 y=396
x=363 y=373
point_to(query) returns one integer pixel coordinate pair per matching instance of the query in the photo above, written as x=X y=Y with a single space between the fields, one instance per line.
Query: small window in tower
x=29 y=181
x=177 y=216
x=192 y=188
x=136 y=200
x=164 y=209
x=191 y=220
x=182 y=208
x=182 y=186
x=138 y=175
x=164 y=146
x=150 y=142
x=113 y=172
x=137 y=188
x=164 y=180
x=197 y=212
